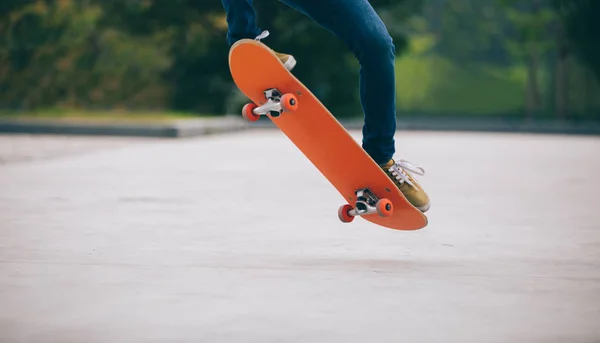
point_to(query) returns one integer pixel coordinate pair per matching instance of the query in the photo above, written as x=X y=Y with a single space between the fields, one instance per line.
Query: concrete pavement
x=235 y=238
x=32 y=147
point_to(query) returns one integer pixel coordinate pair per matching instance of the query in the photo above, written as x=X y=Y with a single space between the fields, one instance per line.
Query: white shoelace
x=398 y=170
x=263 y=35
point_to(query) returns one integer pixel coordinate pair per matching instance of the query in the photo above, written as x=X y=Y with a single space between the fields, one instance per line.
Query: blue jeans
x=357 y=24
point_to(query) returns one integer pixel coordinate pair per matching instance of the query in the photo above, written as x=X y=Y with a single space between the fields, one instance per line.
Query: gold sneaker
x=399 y=172
x=288 y=60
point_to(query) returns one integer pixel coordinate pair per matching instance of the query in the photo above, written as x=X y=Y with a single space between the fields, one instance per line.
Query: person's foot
x=399 y=172
x=288 y=60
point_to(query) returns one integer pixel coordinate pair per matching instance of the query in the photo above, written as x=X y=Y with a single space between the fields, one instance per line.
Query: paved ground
x=235 y=238
x=22 y=148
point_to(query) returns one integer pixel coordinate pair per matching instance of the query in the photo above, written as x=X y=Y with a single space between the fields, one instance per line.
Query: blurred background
x=477 y=58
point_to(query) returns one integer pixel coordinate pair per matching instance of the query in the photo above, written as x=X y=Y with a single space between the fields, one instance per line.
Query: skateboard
x=276 y=93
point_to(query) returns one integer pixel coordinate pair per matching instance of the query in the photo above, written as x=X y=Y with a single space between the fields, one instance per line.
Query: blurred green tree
x=529 y=40
x=582 y=29
x=160 y=53
x=199 y=76
x=57 y=53
x=578 y=57
x=468 y=31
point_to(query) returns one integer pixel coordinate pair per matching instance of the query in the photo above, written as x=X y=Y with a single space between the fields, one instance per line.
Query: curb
x=458 y=124
x=206 y=126
x=172 y=129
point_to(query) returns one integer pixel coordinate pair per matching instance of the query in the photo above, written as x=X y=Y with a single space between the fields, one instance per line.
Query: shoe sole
x=290 y=63
x=424 y=208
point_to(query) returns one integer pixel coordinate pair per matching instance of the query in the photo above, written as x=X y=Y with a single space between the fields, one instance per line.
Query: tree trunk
x=591 y=88
x=533 y=62
x=561 y=88
x=533 y=90
x=561 y=82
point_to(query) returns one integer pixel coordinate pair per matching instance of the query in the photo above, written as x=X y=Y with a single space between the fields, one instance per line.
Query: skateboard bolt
x=388 y=207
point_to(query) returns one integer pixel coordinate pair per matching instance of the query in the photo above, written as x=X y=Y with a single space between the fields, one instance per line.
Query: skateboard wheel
x=289 y=102
x=344 y=215
x=384 y=207
x=248 y=114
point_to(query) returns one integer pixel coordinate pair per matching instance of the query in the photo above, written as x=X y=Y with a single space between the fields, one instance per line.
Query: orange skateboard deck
x=278 y=94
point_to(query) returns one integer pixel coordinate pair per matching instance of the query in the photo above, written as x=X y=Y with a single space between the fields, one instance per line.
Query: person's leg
x=357 y=24
x=241 y=20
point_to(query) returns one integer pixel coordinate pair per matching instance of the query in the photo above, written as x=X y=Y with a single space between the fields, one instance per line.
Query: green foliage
x=436 y=84
x=580 y=20
x=197 y=77
x=57 y=54
x=528 y=27
x=157 y=53
x=468 y=56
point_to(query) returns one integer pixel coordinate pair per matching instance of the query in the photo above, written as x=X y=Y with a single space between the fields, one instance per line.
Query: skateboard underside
x=279 y=95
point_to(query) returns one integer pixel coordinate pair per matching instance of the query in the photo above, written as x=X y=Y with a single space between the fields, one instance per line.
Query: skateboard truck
x=276 y=104
x=366 y=203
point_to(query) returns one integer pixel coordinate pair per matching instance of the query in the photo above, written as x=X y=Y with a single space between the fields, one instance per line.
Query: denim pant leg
x=241 y=20
x=362 y=30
